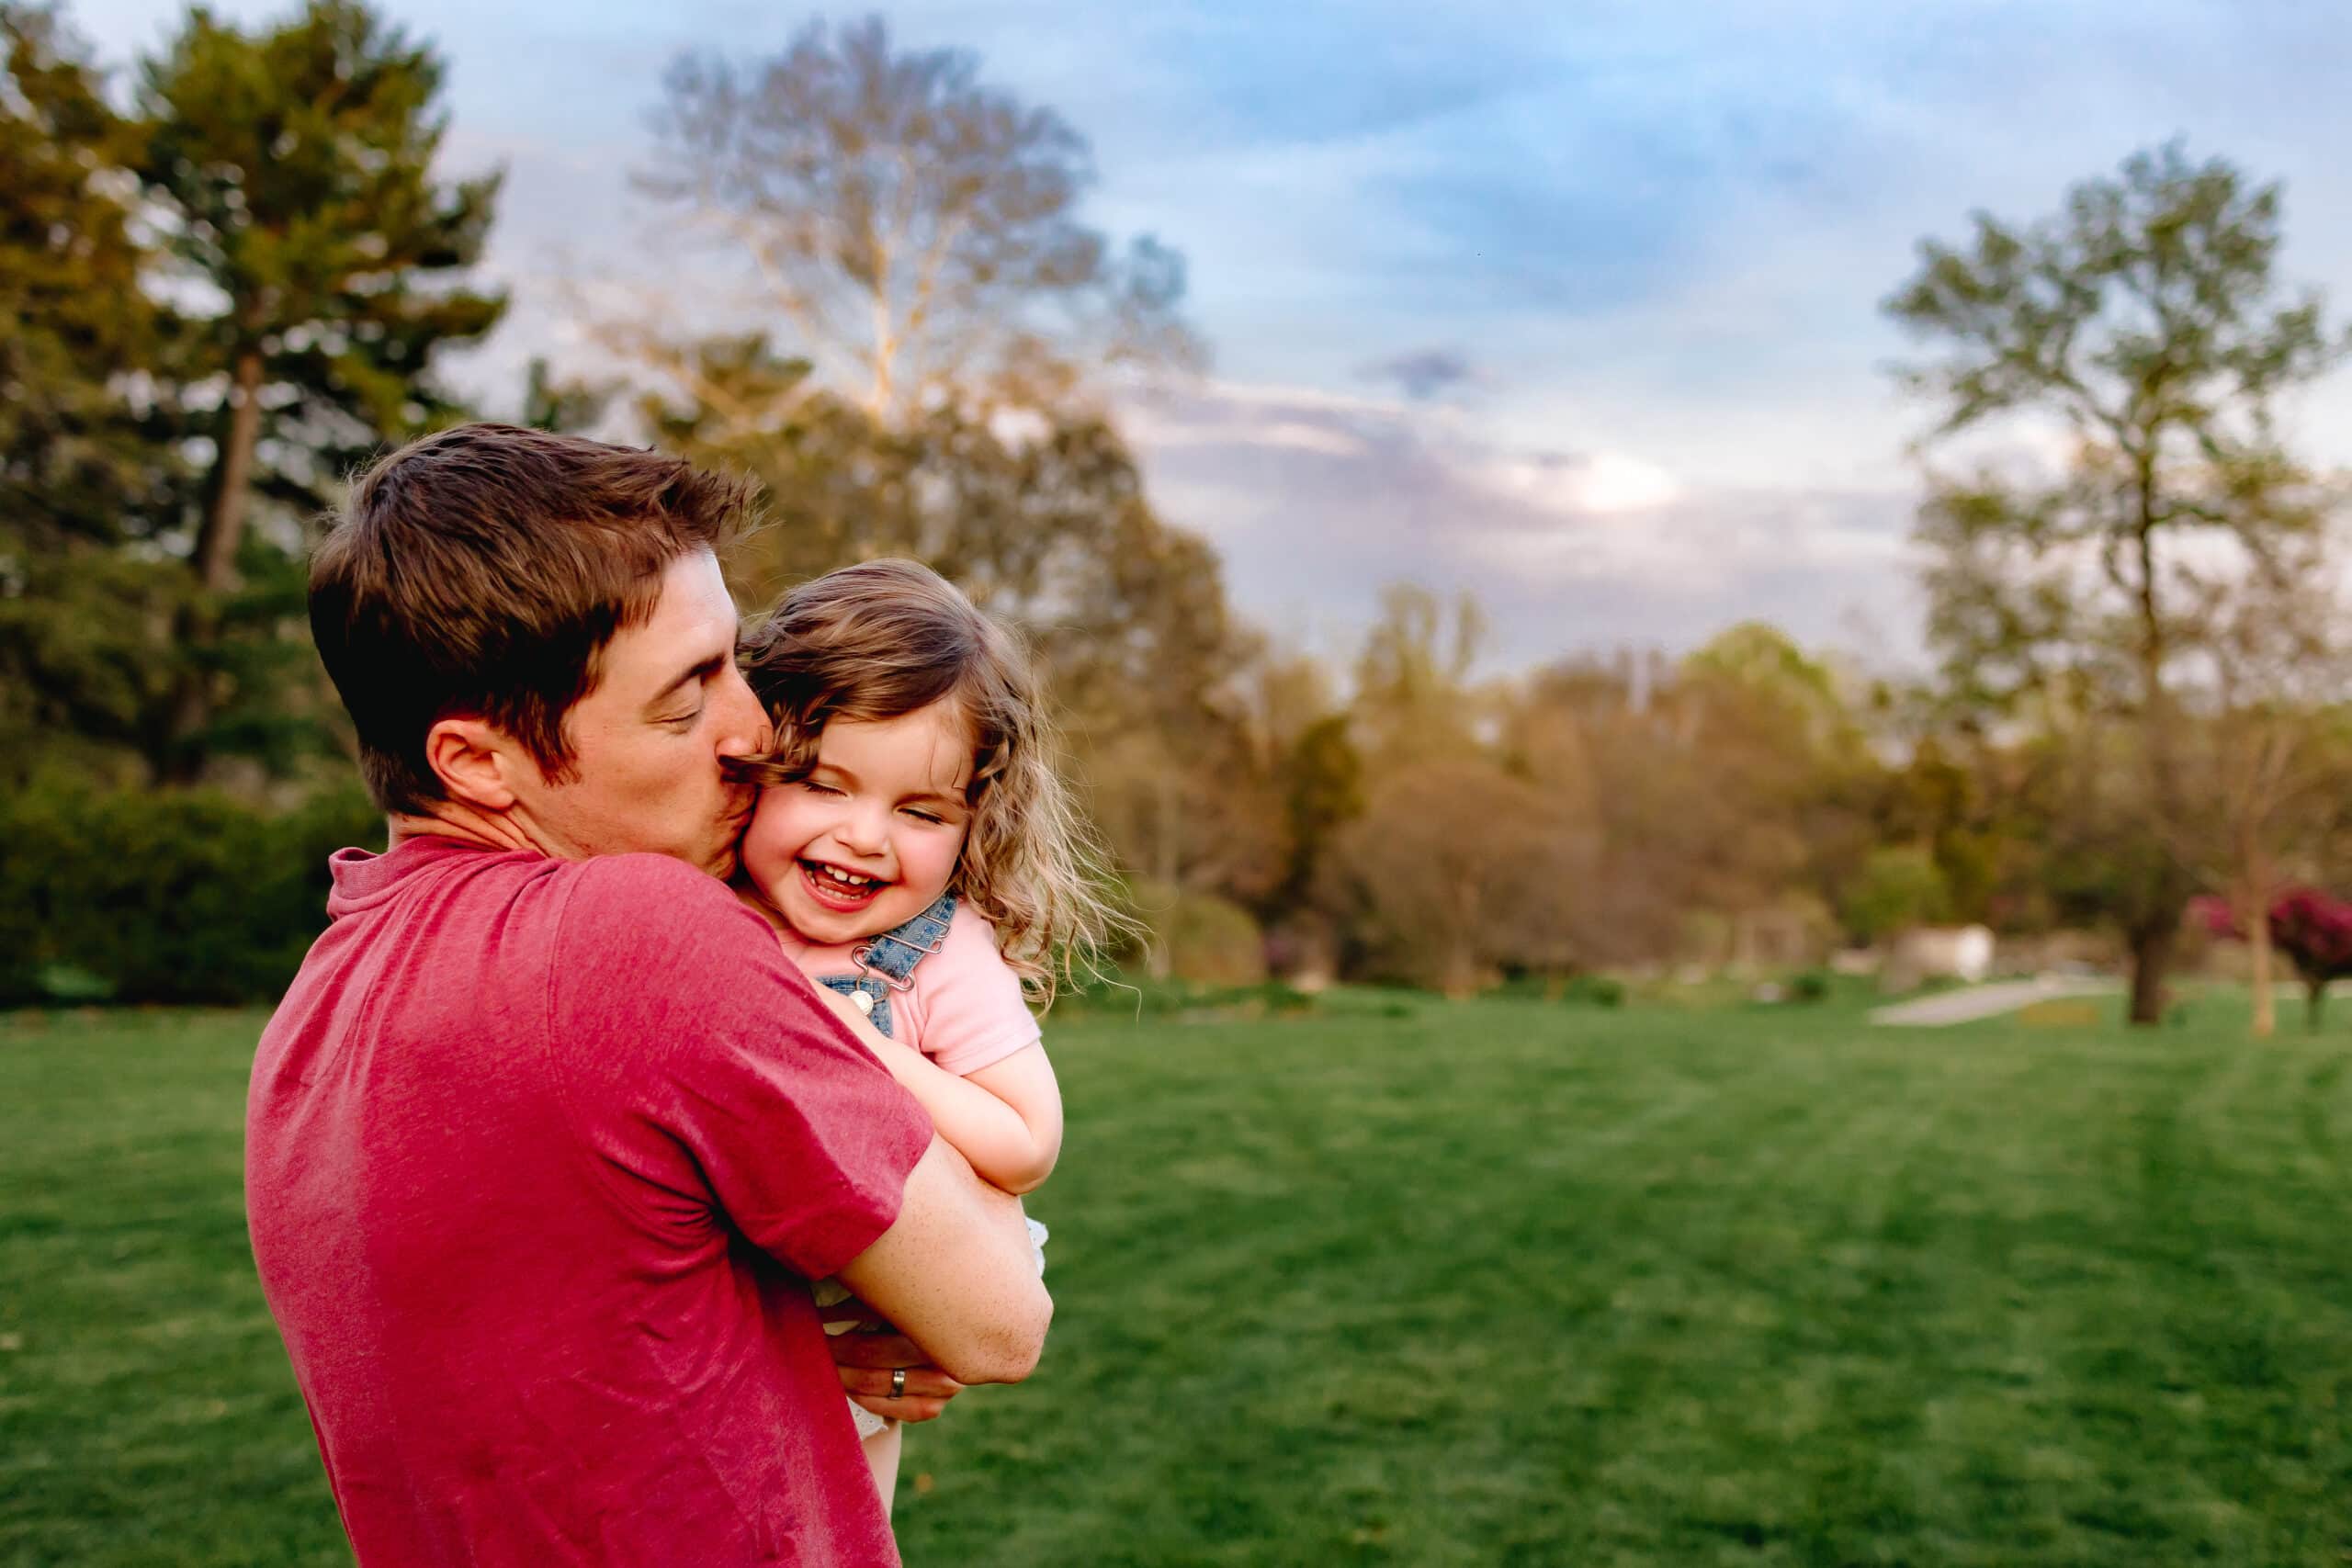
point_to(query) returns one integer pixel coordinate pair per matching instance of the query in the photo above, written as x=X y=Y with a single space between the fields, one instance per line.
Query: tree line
x=234 y=274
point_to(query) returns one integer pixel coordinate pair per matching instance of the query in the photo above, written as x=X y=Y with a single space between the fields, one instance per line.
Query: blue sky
x=1571 y=306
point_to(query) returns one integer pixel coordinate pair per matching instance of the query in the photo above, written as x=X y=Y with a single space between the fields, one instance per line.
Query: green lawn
x=1414 y=1283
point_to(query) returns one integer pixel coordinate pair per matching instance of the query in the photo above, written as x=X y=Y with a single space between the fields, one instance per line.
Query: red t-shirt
x=538 y=1157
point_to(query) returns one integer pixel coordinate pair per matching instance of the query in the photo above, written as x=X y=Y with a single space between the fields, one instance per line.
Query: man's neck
x=467 y=825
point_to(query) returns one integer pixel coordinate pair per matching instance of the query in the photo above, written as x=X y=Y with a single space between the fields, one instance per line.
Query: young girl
x=916 y=853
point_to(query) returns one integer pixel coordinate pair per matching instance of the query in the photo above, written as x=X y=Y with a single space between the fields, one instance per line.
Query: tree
x=294 y=168
x=1457 y=869
x=2145 y=326
x=2315 y=932
x=1781 y=741
x=85 y=483
x=2311 y=928
x=1414 y=698
x=2270 y=752
x=1044 y=522
x=915 y=228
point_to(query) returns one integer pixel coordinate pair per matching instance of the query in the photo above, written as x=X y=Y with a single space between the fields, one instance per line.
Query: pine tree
x=295 y=168
x=84 y=484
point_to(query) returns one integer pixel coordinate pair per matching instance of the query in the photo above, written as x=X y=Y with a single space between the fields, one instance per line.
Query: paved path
x=1990 y=1002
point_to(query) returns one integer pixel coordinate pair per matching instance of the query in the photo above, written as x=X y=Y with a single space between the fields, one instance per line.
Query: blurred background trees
x=223 y=298
x=234 y=269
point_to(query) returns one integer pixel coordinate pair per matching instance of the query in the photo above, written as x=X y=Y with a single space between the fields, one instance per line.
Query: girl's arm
x=1006 y=1118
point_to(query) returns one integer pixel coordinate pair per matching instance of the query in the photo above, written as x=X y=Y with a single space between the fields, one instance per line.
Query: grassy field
x=1412 y=1282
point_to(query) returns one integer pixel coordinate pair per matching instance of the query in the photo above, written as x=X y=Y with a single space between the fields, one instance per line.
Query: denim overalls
x=888 y=962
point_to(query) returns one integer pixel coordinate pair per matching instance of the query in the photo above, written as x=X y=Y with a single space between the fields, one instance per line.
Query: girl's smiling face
x=870 y=839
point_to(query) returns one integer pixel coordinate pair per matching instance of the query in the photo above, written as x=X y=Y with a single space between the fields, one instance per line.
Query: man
x=547 y=1137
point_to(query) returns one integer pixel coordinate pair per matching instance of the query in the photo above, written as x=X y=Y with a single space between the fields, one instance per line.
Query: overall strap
x=888 y=962
x=894 y=955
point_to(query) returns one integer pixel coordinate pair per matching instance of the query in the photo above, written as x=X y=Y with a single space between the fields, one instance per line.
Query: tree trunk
x=2151 y=957
x=1168 y=819
x=224 y=519
x=2255 y=891
x=2315 y=999
x=2266 y=1014
x=215 y=566
x=2152 y=939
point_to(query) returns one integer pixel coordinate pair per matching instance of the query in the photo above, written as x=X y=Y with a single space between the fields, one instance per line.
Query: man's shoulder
x=657 y=897
x=648 y=931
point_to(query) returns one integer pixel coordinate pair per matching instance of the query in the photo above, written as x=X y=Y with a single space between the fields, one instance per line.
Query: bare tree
x=917 y=230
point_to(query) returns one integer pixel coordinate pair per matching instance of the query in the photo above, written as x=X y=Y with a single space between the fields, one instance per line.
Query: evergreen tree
x=84 y=483
x=295 y=166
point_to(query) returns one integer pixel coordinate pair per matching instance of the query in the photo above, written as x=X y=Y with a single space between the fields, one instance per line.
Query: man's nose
x=743 y=730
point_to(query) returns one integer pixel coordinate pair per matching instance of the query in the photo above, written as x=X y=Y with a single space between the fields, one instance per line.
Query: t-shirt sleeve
x=682 y=1028
x=973 y=1014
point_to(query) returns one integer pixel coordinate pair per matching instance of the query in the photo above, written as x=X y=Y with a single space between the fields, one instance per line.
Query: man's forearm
x=955 y=1274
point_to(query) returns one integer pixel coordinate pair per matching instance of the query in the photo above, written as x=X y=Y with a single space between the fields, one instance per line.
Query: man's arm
x=954 y=1273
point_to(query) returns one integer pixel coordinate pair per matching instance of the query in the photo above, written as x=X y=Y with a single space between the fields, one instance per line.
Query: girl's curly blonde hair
x=886 y=638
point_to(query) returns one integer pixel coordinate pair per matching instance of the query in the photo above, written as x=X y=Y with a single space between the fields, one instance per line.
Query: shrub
x=1898 y=887
x=1208 y=941
x=1594 y=990
x=179 y=897
x=1138 y=995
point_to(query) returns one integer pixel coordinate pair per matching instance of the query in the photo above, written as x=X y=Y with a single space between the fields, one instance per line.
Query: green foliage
x=296 y=162
x=1900 y=886
x=1322 y=783
x=1811 y=986
x=292 y=168
x=86 y=485
x=145 y=895
x=2144 y=325
x=275 y=186
x=1598 y=990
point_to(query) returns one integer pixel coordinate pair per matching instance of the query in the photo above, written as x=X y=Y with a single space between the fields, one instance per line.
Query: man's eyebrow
x=702 y=671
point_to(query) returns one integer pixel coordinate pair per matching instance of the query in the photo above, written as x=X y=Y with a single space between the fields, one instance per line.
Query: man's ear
x=474 y=760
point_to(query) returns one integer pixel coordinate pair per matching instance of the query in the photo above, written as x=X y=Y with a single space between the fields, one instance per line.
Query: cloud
x=1316 y=501
x=1423 y=374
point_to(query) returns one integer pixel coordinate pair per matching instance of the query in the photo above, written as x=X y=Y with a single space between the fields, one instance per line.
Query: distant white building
x=1931 y=952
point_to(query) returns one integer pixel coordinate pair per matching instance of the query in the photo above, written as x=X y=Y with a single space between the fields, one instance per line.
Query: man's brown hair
x=481 y=571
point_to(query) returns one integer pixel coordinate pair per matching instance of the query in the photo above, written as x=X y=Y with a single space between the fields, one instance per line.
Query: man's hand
x=866 y=1362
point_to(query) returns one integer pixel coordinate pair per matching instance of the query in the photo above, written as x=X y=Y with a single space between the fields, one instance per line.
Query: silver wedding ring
x=897 y=1382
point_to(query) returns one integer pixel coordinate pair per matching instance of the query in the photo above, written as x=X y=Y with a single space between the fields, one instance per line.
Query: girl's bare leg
x=882 y=1456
